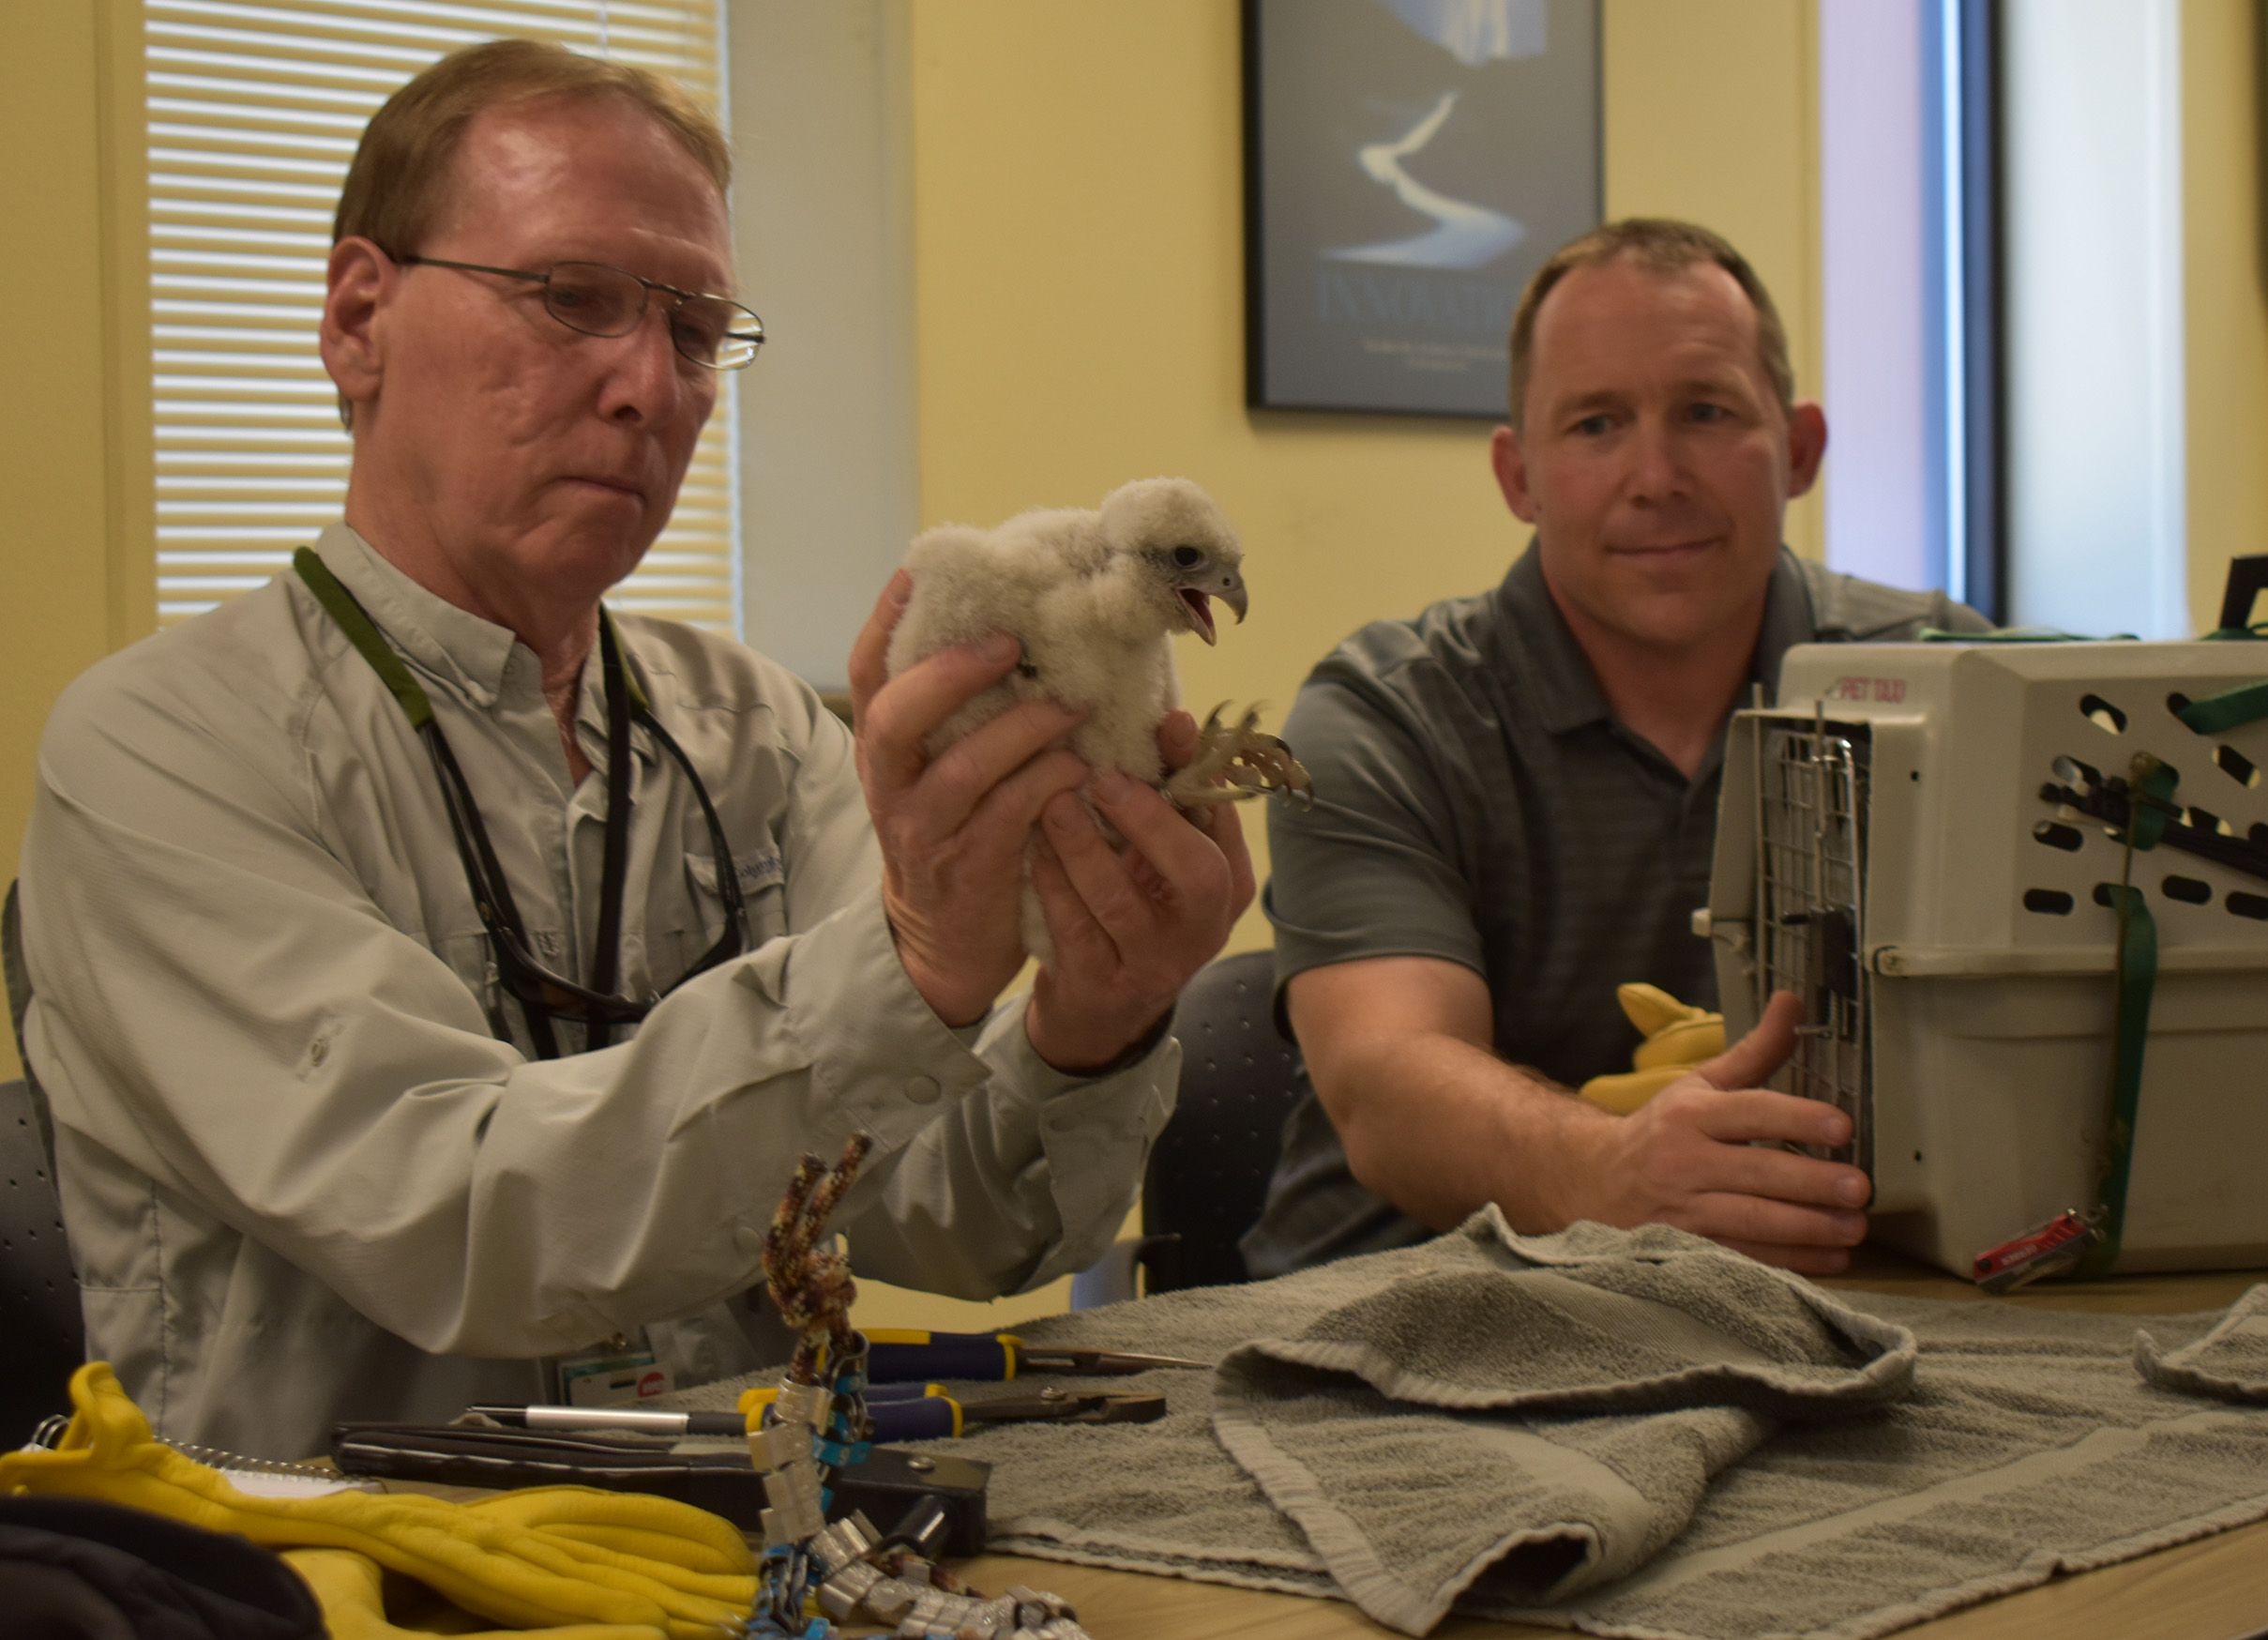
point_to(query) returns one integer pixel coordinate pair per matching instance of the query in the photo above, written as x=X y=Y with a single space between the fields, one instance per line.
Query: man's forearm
x=1438 y=1126
x=1028 y=1178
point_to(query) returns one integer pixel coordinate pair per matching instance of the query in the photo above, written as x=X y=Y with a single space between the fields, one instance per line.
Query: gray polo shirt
x=1477 y=801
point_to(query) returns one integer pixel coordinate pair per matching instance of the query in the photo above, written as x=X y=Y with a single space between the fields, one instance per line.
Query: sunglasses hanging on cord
x=544 y=996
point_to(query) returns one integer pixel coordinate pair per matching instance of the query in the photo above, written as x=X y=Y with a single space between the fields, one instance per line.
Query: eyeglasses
x=598 y=301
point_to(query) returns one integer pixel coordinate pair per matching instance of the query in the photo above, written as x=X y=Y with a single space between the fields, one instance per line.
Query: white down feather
x=1093 y=597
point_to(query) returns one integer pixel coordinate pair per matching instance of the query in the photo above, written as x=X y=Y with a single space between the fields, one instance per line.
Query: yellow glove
x=631 y=1564
x=1677 y=1037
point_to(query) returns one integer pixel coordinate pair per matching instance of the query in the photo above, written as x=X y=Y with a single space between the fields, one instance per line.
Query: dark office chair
x=1209 y=1172
x=42 y=1338
x=19 y=979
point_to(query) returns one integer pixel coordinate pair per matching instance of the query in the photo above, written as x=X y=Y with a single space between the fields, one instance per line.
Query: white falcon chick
x=1094 y=598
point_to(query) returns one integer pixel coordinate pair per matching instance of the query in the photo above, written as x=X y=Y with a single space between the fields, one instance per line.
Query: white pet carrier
x=1924 y=842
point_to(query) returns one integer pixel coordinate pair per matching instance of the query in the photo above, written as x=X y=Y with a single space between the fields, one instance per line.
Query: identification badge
x=615 y=1373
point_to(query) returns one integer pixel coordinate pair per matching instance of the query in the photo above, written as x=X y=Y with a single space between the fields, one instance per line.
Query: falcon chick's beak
x=1223 y=584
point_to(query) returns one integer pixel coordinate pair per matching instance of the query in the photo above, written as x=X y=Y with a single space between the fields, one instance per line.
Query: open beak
x=1228 y=588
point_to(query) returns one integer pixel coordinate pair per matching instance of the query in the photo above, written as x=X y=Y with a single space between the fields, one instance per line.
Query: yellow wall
x=75 y=543
x=2223 y=284
x=1080 y=310
x=1080 y=320
x=1079 y=256
x=1713 y=114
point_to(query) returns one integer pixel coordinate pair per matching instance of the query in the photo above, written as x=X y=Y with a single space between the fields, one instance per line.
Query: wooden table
x=2215 y=1589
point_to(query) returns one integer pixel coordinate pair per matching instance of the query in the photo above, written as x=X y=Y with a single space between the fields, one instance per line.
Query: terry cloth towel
x=2230 y=1363
x=2027 y=1445
x=1548 y=1411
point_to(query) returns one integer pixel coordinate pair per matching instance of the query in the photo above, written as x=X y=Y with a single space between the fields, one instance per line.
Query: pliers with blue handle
x=925 y=1412
x=900 y=1412
x=896 y=1356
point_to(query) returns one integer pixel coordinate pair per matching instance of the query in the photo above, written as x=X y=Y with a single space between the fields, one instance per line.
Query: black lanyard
x=544 y=996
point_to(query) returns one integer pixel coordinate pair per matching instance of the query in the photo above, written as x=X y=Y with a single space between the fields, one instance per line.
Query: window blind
x=253 y=111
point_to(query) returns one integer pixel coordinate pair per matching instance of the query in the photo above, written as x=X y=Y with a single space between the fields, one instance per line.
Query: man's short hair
x=1661 y=246
x=399 y=179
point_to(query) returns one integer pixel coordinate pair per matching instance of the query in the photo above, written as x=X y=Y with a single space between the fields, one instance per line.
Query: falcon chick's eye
x=1188 y=557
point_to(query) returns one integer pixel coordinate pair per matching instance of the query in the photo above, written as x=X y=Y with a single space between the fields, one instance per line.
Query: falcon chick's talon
x=1253 y=764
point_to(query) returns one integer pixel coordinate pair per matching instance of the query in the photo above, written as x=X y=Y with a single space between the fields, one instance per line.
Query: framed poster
x=1408 y=164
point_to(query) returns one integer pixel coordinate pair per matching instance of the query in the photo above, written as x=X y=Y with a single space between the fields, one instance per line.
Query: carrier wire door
x=1810 y=912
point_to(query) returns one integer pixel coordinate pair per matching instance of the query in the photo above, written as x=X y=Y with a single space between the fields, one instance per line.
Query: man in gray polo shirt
x=1516 y=800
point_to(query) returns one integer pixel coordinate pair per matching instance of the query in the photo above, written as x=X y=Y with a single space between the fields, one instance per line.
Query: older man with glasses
x=436 y=979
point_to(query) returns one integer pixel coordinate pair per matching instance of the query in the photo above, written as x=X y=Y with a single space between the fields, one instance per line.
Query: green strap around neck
x=364 y=634
x=372 y=646
x=629 y=679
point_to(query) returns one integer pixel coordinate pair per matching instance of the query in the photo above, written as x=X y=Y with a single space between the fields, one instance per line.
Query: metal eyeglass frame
x=754 y=340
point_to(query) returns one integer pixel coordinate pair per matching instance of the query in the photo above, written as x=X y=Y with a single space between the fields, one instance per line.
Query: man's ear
x=1509 y=457
x=1807 y=446
x=358 y=279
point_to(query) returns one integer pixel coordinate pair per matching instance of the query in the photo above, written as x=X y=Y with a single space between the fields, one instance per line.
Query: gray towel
x=2230 y=1363
x=2026 y=1443
x=1547 y=1410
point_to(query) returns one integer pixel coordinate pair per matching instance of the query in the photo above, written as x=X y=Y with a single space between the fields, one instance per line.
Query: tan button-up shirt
x=303 y=1180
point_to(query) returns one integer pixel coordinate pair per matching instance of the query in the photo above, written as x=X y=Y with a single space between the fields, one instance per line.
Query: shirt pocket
x=762 y=880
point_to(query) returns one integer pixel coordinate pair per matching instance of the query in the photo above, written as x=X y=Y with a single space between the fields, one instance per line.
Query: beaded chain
x=817 y=1424
x=809 y=1283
